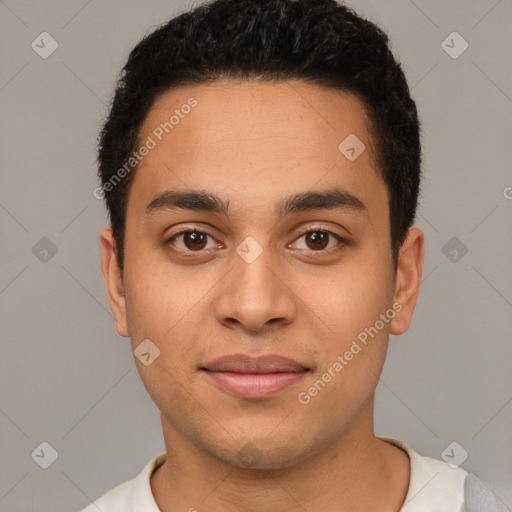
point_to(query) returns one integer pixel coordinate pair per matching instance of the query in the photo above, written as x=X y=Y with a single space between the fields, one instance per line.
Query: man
x=261 y=168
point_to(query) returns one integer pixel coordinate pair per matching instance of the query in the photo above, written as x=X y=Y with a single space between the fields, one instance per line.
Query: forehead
x=252 y=139
x=290 y=111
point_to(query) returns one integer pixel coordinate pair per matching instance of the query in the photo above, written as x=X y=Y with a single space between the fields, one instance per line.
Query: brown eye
x=319 y=240
x=194 y=240
x=191 y=240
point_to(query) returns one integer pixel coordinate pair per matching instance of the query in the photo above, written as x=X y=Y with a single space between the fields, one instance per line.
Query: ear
x=408 y=279
x=114 y=281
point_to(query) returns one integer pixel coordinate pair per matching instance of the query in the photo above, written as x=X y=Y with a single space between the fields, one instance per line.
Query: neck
x=357 y=472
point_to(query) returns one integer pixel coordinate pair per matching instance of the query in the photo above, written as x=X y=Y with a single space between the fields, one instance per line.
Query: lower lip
x=254 y=385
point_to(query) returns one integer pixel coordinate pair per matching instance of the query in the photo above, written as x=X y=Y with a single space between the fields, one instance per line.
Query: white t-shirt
x=433 y=487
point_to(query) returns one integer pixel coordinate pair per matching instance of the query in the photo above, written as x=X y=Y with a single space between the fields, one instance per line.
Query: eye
x=189 y=241
x=319 y=239
x=192 y=240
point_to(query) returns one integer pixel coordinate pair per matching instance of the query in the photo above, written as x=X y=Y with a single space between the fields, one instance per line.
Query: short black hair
x=317 y=41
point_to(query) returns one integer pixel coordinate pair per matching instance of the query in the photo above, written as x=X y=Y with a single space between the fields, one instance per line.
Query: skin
x=253 y=144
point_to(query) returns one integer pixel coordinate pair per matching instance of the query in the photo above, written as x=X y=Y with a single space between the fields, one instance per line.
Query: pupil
x=318 y=238
x=196 y=238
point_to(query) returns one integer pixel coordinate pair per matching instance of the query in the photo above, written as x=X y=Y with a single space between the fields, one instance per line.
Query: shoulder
x=130 y=496
x=478 y=496
x=117 y=499
x=433 y=484
x=437 y=485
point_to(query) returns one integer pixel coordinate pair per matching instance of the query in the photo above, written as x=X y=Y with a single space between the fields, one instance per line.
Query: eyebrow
x=199 y=200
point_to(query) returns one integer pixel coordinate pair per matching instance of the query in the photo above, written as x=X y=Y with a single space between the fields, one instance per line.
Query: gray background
x=68 y=379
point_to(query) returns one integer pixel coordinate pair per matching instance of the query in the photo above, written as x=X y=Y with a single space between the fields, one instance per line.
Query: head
x=315 y=41
x=262 y=121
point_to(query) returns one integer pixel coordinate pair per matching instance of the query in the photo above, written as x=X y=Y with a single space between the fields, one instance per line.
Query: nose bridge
x=253 y=271
x=253 y=293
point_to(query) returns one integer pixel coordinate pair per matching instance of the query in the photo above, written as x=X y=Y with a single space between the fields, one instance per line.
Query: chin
x=265 y=453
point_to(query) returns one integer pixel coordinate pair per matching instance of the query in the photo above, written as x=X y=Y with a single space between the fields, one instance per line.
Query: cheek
x=353 y=298
x=356 y=306
x=156 y=312
x=352 y=357
x=153 y=303
x=167 y=307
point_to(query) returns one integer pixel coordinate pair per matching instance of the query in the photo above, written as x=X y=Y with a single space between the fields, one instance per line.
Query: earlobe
x=408 y=279
x=113 y=281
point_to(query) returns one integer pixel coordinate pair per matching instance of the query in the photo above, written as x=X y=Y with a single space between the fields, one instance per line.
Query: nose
x=255 y=295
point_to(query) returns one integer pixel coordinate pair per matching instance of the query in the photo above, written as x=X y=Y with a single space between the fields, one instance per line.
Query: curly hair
x=318 y=41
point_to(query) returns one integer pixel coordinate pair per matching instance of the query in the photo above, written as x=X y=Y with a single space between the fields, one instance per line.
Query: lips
x=254 y=377
x=240 y=363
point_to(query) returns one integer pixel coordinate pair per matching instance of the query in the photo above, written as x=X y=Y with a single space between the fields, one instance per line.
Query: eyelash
x=313 y=253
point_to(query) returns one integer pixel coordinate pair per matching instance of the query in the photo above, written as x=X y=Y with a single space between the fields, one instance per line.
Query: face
x=286 y=253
